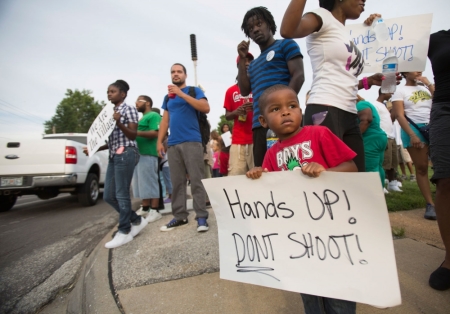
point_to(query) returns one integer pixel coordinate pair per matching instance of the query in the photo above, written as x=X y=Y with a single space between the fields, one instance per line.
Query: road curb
x=92 y=292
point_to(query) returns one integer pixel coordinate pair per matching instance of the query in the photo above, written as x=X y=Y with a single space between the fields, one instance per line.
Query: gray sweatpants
x=187 y=157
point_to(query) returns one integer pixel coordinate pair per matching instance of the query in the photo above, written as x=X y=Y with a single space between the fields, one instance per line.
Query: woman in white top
x=336 y=63
x=414 y=101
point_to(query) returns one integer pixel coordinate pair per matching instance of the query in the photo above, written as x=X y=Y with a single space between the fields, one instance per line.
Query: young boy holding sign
x=311 y=149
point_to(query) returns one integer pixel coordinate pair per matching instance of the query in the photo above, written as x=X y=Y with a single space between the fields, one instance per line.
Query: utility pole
x=194 y=55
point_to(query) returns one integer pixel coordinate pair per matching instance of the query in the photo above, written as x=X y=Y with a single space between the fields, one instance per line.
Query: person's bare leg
x=410 y=167
x=145 y=202
x=440 y=278
x=420 y=159
x=390 y=174
x=442 y=206
x=402 y=169
x=154 y=202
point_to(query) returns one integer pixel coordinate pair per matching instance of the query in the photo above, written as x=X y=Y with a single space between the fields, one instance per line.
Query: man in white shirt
x=390 y=163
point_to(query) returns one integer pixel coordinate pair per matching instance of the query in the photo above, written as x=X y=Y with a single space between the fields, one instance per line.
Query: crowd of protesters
x=347 y=133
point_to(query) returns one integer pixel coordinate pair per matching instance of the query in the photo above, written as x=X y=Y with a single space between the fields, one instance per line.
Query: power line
x=17 y=108
x=22 y=117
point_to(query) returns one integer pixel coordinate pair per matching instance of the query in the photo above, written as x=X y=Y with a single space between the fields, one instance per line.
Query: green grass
x=411 y=198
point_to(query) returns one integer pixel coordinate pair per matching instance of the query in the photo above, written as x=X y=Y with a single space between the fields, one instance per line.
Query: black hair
x=148 y=99
x=221 y=128
x=260 y=13
x=184 y=68
x=327 y=4
x=404 y=74
x=263 y=98
x=122 y=86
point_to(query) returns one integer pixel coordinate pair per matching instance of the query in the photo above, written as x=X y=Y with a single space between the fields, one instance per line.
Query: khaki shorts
x=390 y=155
x=403 y=155
x=241 y=159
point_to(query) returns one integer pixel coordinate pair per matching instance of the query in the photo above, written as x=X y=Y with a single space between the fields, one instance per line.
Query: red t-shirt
x=242 y=131
x=312 y=144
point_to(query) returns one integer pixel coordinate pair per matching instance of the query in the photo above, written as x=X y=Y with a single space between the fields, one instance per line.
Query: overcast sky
x=49 y=46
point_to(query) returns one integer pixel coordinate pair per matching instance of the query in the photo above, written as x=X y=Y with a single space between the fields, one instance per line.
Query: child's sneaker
x=173 y=224
x=154 y=215
x=118 y=240
x=393 y=186
x=412 y=178
x=404 y=177
x=135 y=229
x=202 y=225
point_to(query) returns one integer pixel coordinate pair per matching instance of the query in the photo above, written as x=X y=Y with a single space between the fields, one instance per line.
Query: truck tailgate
x=30 y=157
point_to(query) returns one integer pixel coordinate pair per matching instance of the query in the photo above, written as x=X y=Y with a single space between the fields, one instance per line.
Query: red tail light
x=71 y=155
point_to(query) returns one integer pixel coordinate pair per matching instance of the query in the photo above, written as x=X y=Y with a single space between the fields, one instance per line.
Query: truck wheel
x=7 y=202
x=89 y=191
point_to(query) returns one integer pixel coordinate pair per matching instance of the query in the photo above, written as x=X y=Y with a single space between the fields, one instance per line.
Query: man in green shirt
x=145 y=178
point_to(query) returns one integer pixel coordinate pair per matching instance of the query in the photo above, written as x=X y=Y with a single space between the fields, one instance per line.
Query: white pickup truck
x=50 y=166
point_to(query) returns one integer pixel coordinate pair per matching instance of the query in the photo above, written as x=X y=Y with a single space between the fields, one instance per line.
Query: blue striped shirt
x=269 y=69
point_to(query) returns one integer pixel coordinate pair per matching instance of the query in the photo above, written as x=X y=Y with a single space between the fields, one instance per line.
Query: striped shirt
x=117 y=138
x=269 y=69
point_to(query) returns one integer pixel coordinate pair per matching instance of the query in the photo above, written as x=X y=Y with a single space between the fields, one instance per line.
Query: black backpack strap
x=166 y=100
x=411 y=122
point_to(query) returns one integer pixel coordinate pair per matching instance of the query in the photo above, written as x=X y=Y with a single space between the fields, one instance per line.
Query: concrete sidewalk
x=178 y=272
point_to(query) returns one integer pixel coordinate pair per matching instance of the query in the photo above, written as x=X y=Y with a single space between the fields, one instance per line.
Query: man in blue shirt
x=280 y=62
x=185 y=150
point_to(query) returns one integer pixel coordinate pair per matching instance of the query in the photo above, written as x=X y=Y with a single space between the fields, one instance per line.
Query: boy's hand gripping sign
x=328 y=236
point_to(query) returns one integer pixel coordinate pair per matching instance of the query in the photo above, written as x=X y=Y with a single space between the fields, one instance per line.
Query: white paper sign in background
x=226 y=137
x=408 y=36
x=100 y=129
x=328 y=236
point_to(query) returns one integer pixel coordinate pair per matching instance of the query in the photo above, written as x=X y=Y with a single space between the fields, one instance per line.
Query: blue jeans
x=167 y=181
x=319 y=305
x=117 y=187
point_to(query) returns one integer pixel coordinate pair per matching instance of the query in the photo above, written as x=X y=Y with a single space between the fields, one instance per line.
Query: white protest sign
x=226 y=138
x=100 y=129
x=408 y=37
x=328 y=236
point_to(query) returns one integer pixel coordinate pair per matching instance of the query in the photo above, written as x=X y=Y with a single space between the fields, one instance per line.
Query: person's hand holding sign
x=255 y=173
x=313 y=169
x=117 y=116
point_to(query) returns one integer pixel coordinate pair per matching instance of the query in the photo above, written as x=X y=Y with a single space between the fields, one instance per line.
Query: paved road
x=37 y=237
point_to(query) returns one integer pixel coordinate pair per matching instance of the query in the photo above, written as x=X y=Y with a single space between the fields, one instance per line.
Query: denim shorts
x=145 y=182
x=407 y=140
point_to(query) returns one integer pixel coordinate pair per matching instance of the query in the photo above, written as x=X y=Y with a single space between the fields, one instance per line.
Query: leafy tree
x=223 y=121
x=75 y=113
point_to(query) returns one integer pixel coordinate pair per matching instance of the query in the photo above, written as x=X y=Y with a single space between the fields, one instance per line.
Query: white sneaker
x=135 y=229
x=385 y=191
x=118 y=240
x=386 y=181
x=393 y=186
x=141 y=212
x=154 y=215
x=399 y=184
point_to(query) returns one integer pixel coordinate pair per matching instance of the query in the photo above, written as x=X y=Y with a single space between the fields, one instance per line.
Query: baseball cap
x=249 y=55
